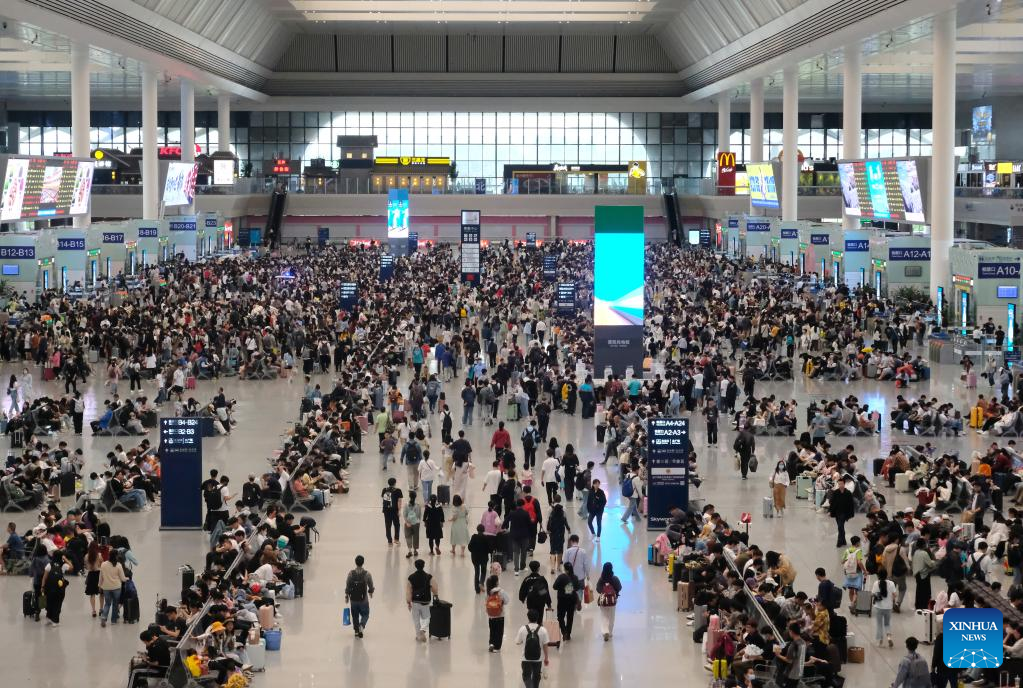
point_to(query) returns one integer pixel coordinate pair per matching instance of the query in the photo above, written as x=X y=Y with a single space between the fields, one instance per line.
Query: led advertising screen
x=179 y=188
x=618 y=289
x=223 y=172
x=38 y=187
x=883 y=189
x=982 y=124
x=397 y=214
x=763 y=192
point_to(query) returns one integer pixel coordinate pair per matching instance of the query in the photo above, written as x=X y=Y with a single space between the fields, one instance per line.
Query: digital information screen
x=179 y=187
x=397 y=214
x=471 y=246
x=181 y=473
x=667 y=468
x=564 y=300
x=886 y=189
x=618 y=289
x=550 y=268
x=531 y=239
x=349 y=295
x=763 y=191
x=223 y=172
x=40 y=188
x=386 y=266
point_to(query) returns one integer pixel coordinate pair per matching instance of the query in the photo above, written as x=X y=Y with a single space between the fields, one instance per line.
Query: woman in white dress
x=26 y=382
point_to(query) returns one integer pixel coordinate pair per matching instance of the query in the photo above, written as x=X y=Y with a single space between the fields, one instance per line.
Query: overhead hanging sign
x=909 y=253
x=998 y=271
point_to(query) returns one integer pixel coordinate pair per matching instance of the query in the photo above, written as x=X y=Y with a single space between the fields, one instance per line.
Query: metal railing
x=998 y=192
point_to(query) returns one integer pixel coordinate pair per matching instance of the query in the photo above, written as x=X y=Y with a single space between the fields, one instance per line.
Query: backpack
x=530 y=507
x=627 y=488
x=388 y=497
x=580 y=482
x=528 y=439
x=607 y=597
x=851 y=565
x=358 y=590
x=918 y=673
x=411 y=453
x=835 y=597
x=531 y=652
x=213 y=499
x=974 y=571
x=899 y=567
x=495 y=605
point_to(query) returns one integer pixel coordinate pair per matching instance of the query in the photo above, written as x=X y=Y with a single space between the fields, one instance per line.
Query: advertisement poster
x=667 y=468
x=619 y=280
x=877 y=189
x=850 y=191
x=82 y=189
x=223 y=172
x=179 y=189
x=15 y=180
x=397 y=214
x=909 y=184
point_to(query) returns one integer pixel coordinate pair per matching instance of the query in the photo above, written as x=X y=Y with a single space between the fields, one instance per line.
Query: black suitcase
x=440 y=619
x=878 y=463
x=443 y=494
x=67 y=484
x=28 y=604
x=299 y=549
x=997 y=499
x=601 y=429
x=498 y=558
x=131 y=610
x=295 y=575
x=187 y=578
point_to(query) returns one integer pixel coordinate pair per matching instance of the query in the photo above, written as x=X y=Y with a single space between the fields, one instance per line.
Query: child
x=387 y=446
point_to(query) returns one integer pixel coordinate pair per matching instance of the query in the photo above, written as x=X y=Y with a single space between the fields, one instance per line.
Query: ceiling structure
x=692 y=50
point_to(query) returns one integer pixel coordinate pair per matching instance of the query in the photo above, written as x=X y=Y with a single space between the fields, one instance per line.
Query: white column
x=81 y=106
x=224 y=123
x=943 y=107
x=724 y=122
x=756 y=120
x=789 y=142
x=852 y=113
x=150 y=169
x=187 y=121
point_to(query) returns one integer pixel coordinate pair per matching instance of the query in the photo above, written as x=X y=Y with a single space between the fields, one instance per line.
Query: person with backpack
x=567 y=587
x=828 y=593
x=358 y=590
x=608 y=589
x=883 y=592
x=252 y=493
x=745 y=444
x=582 y=485
x=496 y=602
x=532 y=506
x=411 y=517
x=530 y=438
x=533 y=638
x=419 y=593
x=632 y=490
x=979 y=565
x=596 y=500
x=854 y=570
x=411 y=455
x=534 y=591
x=391 y=497
x=897 y=567
x=520 y=530
x=913 y=670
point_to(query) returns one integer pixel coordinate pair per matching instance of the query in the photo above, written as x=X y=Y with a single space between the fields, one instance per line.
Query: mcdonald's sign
x=726 y=173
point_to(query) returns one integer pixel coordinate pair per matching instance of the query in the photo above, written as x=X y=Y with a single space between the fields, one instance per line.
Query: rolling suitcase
x=443 y=494
x=803 y=486
x=511 y=411
x=28 y=604
x=440 y=619
x=266 y=616
x=299 y=549
x=878 y=465
x=927 y=616
x=67 y=484
x=296 y=576
x=767 y=507
x=864 y=601
x=553 y=629
x=187 y=578
x=257 y=655
x=685 y=597
x=902 y=482
x=131 y=610
x=601 y=431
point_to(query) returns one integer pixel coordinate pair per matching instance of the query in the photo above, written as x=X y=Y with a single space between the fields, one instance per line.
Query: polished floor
x=651 y=640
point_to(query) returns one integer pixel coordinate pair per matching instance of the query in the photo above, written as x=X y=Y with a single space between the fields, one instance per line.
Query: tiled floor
x=651 y=640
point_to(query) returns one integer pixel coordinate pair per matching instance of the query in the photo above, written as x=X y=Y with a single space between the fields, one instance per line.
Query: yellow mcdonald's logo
x=726 y=159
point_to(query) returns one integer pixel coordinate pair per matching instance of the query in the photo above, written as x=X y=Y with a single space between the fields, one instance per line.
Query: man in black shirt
x=155 y=662
x=391 y=499
x=461 y=450
x=711 y=413
x=842 y=509
x=174 y=626
x=419 y=592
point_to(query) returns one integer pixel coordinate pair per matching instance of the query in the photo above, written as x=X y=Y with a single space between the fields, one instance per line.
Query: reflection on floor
x=651 y=640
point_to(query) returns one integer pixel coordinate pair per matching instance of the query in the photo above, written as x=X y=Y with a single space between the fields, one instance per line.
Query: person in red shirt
x=501 y=440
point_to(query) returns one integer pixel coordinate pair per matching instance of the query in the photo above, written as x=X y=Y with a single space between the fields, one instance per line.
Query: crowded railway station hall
x=449 y=343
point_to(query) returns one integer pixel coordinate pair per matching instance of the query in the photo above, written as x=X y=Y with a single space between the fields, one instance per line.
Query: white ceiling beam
x=387 y=6
x=604 y=17
x=908 y=11
x=28 y=13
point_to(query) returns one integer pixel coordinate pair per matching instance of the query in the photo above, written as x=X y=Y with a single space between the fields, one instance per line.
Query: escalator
x=275 y=218
x=673 y=218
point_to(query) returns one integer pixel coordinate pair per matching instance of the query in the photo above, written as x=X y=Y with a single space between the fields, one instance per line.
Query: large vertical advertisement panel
x=618 y=276
x=398 y=221
x=471 y=246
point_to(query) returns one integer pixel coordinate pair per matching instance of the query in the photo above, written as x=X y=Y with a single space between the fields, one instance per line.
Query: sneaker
x=490 y=648
x=103 y=623
x=690 y=616
x=596 y=539
x=607 y=637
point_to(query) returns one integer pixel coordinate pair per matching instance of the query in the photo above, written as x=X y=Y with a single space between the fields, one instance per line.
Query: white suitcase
x=257 y=655
x=902 y=482
x=927 y=637
x=768 y=507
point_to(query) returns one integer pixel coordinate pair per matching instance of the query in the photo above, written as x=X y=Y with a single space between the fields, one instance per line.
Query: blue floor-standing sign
x=668 y=469
x=180 y=473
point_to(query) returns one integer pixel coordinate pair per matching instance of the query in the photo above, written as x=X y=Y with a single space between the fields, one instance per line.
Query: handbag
x=346 y=616
x=587 y=594
x=541 y=537
x=753 y=463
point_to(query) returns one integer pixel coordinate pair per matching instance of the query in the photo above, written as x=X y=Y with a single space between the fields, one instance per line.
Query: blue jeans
x=467 y=414
x=582 y=502
x=360 y=615
x=427 y=490
x=111 y=605
x=633 y=509
x=136 y=499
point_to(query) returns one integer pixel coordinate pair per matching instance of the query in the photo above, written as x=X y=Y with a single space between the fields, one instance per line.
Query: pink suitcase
x=266 y=617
